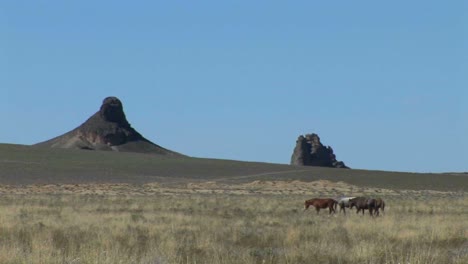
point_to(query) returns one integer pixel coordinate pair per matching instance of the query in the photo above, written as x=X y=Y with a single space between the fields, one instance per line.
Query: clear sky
x=384 y=83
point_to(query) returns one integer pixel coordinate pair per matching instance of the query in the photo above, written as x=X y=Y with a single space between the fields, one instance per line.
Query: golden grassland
x=225 y=227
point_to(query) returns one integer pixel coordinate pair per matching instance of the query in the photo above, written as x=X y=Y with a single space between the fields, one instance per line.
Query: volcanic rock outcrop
x=108 y=129
x=309 y=151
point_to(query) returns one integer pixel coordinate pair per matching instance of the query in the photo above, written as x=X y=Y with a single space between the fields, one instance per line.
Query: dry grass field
x=65 y=206
x=257 y=222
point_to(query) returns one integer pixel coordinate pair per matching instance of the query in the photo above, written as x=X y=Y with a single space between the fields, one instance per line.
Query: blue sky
x=383 y=82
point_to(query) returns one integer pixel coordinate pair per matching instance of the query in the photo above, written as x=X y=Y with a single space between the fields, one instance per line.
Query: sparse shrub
x=137 y=217
x=25 y=240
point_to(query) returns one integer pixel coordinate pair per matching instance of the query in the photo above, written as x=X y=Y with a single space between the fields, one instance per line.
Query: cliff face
x=309 y=151
x=108 y=129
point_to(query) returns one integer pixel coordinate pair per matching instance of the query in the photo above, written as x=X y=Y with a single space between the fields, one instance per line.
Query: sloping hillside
x=21 y=165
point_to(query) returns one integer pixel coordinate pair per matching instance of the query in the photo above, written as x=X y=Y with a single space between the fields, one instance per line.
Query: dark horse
x=379 y=203
x=321 y=204
x=363 y=203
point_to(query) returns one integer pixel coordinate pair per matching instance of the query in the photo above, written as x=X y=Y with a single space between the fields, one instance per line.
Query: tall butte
x=108 y=129
x=309 y=151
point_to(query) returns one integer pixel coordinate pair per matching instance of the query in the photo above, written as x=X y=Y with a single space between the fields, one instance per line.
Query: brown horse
x=321 y=204
x=379 y=203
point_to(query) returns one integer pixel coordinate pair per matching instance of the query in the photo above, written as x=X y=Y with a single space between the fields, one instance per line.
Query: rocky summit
x=309 y=151
x=108 y=129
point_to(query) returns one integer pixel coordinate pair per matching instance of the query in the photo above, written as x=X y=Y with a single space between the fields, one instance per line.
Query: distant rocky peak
x=309 y=151
x=107 y=130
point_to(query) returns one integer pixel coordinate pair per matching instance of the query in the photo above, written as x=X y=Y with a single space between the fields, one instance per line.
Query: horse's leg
x=317 y=209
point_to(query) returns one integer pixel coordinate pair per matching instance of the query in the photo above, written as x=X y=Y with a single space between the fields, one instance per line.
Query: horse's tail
x=335 y=203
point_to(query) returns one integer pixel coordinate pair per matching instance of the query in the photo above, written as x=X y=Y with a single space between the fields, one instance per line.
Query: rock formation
x=108 y=129
x=309 y=151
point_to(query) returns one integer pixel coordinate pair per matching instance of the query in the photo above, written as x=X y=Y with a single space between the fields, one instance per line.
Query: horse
x=344 y=202
x=363 y=203
x=319 y=203
x=379 y=204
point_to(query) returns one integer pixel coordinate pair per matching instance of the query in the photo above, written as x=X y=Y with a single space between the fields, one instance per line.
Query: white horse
x=344 y=202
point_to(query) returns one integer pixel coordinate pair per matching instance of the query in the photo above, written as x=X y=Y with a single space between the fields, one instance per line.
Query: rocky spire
x=112 y=111
x=309 y=151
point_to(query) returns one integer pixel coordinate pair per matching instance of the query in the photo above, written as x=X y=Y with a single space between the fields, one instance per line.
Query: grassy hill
x=22 y=165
